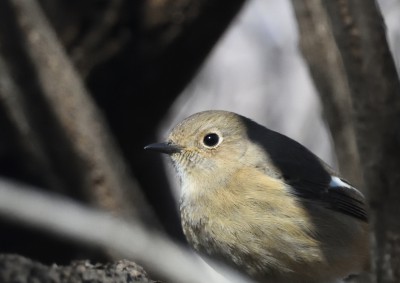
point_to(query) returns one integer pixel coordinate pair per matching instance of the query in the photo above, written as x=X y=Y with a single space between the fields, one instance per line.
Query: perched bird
x=263 y=203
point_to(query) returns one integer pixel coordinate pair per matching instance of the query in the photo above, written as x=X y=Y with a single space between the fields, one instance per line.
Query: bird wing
x=307 y=174
x=344 y=199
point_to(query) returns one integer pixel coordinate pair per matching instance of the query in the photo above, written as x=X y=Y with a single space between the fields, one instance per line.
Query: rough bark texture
x=18 y=269
x=358 y=30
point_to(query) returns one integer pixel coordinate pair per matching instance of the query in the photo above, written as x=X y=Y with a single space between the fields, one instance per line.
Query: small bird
x=263 y=203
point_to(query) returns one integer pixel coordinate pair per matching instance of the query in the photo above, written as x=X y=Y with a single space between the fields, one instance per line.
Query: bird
x=263 y=203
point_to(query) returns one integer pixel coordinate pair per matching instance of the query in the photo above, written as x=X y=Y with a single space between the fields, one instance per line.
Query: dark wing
x=346 y=199
x=306 y=173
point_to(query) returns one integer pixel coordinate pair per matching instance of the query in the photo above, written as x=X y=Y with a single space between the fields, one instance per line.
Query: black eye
x=211 y=140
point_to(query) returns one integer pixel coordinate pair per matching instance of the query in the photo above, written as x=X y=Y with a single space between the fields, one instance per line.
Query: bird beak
x=164 y=147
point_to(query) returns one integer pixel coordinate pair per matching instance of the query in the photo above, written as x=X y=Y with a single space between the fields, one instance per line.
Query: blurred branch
x=323 y=58
x=359 y=31
x=12 y=102
x=97 y=45
x=67 y=219
x=62 y=115
x=373 y=85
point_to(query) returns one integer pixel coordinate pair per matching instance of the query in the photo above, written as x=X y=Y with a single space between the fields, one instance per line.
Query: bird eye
x=211 y=140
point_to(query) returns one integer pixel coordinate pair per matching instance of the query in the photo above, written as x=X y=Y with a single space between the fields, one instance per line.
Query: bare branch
x=371 y=80
x=97 y=44
x=76 y=137
x=375 y=89
x=12 y=102
x=65 y=218
x=323 y=58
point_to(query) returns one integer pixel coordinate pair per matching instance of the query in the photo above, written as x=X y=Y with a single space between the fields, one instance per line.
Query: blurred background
x=85 y=85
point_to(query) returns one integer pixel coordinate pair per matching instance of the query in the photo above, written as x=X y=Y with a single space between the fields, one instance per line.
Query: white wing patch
x=337 y=182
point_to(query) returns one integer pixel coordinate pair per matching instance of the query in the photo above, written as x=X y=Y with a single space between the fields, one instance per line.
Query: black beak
x=164 y=147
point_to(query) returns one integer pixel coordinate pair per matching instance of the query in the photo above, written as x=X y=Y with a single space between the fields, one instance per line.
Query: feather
x=306 y=173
